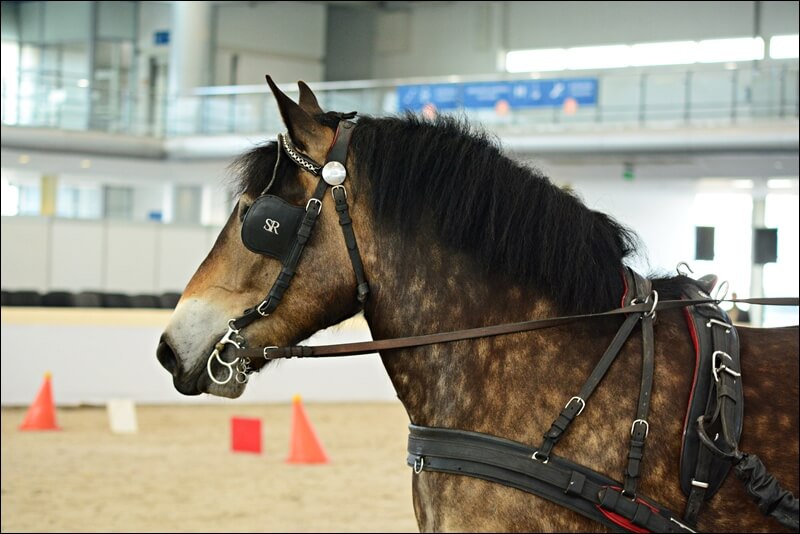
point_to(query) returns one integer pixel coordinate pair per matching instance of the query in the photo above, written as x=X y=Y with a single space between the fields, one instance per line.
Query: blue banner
x=487 y=95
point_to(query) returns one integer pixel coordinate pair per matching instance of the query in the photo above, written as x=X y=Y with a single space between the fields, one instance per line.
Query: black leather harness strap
x=576 y=404
x=573 y=486
x=339 y=153
x=288 y=269
x=340 y=198
x=640 y=428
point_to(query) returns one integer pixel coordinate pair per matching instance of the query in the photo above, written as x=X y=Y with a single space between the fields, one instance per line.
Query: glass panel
x=79 y=201
x=118 y=202
x=66 y=22
x=117 y=20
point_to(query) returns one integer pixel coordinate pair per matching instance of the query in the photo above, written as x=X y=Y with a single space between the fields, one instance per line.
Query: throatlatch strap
x=340 y=197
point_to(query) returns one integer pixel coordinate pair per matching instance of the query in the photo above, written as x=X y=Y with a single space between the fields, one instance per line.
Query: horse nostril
x=166 y=356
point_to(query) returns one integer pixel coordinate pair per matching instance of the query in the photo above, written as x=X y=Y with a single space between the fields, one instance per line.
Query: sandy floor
x=177 y=473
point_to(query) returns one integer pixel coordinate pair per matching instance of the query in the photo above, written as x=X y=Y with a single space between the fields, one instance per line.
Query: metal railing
x=642 y=98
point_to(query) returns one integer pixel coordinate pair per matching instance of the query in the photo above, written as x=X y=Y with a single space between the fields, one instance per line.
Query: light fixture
x=784 y=46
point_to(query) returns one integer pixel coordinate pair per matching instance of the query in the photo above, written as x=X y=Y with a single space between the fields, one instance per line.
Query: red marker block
x=245 y=434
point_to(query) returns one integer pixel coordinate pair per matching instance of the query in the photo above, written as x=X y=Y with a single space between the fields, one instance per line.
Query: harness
x=713 y=423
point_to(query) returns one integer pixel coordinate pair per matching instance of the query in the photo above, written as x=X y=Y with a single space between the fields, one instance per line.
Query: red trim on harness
x=624 y=290
x=696 y=343
x=621 y=521
x=333 y=143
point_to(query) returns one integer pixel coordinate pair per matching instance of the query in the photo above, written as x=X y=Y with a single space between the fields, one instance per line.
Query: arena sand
x=177 y=474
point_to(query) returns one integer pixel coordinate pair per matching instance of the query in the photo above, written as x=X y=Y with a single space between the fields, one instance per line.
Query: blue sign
x=486 y=95
x=161 y=38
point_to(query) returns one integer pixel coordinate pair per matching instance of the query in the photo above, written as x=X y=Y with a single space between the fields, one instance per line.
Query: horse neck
x=421 y=286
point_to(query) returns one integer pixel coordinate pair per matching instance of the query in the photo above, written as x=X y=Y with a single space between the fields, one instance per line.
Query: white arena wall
x=95 y=355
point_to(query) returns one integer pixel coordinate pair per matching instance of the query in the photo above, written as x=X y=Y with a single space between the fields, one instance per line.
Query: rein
x=368 y=347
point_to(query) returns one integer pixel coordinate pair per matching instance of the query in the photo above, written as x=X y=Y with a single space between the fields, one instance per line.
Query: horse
x=453 y=234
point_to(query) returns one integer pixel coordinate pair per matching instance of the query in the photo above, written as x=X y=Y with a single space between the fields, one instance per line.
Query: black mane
x=511 y=218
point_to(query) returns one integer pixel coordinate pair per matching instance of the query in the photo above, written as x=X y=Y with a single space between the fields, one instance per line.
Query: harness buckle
x=698 y=484
x=583 y=404
x=260 y=307
x=544 y=461
x=722 y=367
x=646 y=426
x=335 y=187
x=723 y=324
x=267 y=349
x=318 y=201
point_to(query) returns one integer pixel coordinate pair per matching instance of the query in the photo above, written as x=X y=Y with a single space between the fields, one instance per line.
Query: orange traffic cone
x=41 y=414
x=305 y=447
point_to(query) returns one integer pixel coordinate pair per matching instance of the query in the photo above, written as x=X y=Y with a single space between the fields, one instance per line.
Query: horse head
x=199 y=346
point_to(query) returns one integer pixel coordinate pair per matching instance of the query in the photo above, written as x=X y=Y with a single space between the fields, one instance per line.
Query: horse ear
x=302 y=127
x=307 y=99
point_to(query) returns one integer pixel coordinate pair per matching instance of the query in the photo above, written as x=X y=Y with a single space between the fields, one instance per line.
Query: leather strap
x=640 y=427
x=341 y=142
x=577 y=403
x=281 y=284
x=340 y=198
x=368 y=347
x=507 y=462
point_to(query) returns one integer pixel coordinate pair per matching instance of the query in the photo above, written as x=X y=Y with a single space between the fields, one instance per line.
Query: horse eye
x=243 y=207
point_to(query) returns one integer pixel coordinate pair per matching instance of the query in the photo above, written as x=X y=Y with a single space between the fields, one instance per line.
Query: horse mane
x=509 y=217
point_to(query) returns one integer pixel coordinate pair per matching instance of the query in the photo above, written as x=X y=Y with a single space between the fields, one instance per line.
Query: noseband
x=276 y=228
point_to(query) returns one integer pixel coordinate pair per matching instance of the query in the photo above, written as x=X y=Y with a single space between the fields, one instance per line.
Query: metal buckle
x=583 y=404
x=652 y=313
x=726 y=326
x=419 y=463
x=268 y=348
x=335 y=187
x=646 y=426
x=722 y=367
x=546 y=458
x=261 y=312
x=318 y=201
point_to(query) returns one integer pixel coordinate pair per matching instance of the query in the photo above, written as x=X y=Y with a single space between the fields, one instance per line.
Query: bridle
x=275 y=228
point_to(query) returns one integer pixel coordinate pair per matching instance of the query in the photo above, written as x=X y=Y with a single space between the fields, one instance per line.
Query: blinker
x=270 y=226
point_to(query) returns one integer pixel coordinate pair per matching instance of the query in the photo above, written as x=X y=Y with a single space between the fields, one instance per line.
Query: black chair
x=145 y=301
x=58 y=299
x=116 y=300
x=89 y=299
x=24 y=298
x=170 y=300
